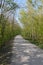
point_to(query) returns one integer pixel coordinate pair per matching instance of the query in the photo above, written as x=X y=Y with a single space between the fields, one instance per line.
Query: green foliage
x=33 y=26
x=8 y=5
x=7 y=29
x=7 y=32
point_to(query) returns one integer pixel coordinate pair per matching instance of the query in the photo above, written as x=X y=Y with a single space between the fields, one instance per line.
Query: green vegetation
x=33 y=24
x=32 y=20
x=8 y=30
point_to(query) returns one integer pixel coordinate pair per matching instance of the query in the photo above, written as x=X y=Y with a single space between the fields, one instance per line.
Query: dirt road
x=25 y=53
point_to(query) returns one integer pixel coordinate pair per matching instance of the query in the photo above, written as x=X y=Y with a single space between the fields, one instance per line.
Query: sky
x=22 y=4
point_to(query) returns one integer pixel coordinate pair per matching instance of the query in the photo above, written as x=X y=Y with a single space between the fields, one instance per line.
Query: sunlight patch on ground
x=25 y=44
x=25 y=58
x=27 y=51
x=25 y=64
x=40 y=55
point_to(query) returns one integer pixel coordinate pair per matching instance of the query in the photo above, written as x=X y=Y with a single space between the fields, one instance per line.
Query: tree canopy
x=33 y=22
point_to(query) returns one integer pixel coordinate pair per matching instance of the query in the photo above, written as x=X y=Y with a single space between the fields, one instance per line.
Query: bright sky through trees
x=22 y=4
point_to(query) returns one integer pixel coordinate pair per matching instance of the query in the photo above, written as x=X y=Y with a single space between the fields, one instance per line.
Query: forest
x=32 y=20
x=21 y=32
x=8 y=29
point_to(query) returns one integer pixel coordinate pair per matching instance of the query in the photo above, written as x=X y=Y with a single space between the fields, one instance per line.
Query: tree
x=6 y=7
x=33 y=20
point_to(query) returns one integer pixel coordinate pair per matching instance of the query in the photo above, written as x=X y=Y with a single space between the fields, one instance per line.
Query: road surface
x=25 y=53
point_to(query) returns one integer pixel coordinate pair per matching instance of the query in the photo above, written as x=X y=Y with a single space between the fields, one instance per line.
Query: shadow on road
x=21 y=52
x=6 y=53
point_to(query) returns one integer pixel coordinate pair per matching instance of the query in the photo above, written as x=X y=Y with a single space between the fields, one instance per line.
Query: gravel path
x=25 y=53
